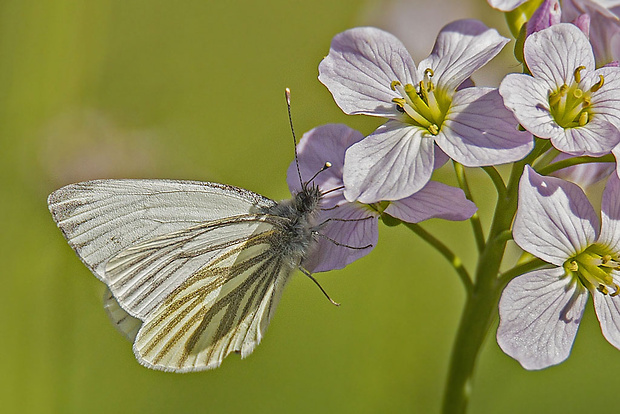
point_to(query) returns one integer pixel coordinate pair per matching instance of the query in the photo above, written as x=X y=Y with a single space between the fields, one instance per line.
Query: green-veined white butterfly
x=202 y=265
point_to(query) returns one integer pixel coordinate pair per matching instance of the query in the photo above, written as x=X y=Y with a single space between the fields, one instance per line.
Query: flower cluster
x=563 y=110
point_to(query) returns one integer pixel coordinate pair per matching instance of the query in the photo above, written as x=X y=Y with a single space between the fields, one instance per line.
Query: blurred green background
x=194 y=90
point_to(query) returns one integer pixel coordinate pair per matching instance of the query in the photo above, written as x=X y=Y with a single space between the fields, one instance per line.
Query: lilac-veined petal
x=604 y=27
x=480 y=131
x=361 y=65
x=606 y=3
x=539 y=315
x=554 y=219
x=616 y=152
x=435 y=200
x=607 y=309
x=461 y=48
x=392 y=163
x=326 y=143
x=548 y=14
x=506 y=5
x=583 y=23
x=596 y=138
x=553 y=54
x=610 y=214
x=527 y=98
x=605 y=102
x=355 y=227
x=441 y=158
x=584 y=175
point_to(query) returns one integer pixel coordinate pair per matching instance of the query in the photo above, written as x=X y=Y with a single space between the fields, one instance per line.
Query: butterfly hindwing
x=124 y=322
x=224 y=307
x=142 y=276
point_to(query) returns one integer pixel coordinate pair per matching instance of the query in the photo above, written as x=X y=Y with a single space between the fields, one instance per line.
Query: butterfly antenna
x=325 y=166
x=287 y=93
x=305 y=272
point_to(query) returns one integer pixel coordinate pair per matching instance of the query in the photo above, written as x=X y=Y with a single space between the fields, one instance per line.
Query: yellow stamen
x=577 y=73
x=598 y=85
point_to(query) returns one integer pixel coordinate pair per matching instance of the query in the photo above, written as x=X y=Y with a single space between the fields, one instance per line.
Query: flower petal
x=584 y=175
x=605 y=101
x=461 y=48
x=342 y=239
x=527 y=98
x=610 y=214
x=607 y=309
x=435 y=200
x=480 y=131
x=361 y=65
x=554 y=220
x=506 y=5
x=554 y=53
x=596 y=138
x=548 y=14
x=604 y=26
x=326 y=143
x=539 y=315
x=392 y=163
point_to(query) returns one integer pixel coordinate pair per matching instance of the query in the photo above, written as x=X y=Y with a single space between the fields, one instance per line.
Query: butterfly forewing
x=101 y=218
x=222 y=308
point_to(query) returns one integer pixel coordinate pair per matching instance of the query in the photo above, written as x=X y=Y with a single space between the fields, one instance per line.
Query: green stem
x=475 y=219
x=497 y=179
x=533 y=264
x=574 y=161
x=481 y=305
x=453 y=259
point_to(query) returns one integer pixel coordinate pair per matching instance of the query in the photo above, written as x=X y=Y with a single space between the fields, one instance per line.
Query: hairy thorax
x=295 y=234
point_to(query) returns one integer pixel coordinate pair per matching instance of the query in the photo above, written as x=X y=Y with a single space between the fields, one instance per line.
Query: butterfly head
x=307 y=201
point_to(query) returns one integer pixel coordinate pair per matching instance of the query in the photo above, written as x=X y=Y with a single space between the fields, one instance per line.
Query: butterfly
x=202 y=265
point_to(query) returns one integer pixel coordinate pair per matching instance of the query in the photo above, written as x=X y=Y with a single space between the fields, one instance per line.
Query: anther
x=583 y=118
x=598 y=85
x=573 y=266
x=394 y=84
x=577 y=73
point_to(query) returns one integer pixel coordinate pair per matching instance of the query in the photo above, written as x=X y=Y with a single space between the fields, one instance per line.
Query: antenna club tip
x=328 y=164
x=287 y=93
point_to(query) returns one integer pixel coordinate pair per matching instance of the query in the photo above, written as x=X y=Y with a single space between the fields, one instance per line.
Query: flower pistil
x=570 y=106
x=593 y=268
x=421 y=103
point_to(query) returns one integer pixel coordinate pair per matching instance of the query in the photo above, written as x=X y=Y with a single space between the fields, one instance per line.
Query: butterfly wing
x=191 y=265
x=101 y=218
x=124 y=322
x=224 y=307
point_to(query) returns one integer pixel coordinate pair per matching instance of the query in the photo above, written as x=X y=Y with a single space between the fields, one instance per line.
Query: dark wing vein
x=222 y=308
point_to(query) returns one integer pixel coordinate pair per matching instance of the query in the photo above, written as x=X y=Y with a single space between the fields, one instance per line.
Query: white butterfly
x=195 y=269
